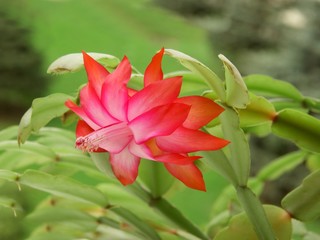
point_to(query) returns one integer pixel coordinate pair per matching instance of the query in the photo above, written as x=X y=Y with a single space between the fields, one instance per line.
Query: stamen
x=114 y=137
x=86 y=144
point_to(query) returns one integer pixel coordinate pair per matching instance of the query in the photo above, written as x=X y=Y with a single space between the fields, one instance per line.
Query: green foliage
x=236 y=89
x=42 y=111
x=298 y=127
x=213 y=81
x=239 y=157
x=258 y=112
x=75 y=195
x=303 y=202
x=241 y=228
x=74 y=62
x=155 y=177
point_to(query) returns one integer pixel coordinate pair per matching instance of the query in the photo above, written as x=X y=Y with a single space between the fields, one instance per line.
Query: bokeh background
x=279 y=38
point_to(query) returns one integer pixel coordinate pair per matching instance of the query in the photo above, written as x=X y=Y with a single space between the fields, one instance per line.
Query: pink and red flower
x=152 y=123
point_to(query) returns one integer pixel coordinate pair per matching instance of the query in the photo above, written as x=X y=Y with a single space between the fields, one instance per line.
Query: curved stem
x=167 y=210
x=177 y=218
x=240 y=163
x=255 y=213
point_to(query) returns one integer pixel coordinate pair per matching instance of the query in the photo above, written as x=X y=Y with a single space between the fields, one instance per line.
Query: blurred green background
x=39 y=31
x=278 y=38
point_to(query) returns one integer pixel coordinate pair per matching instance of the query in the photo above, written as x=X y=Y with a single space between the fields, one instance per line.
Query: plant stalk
x=168 y=211
x=255 y=213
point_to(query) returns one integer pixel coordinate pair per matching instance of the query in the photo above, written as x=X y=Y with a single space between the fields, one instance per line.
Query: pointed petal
x=203 y=110
x=96 y=73
x=189 y=174
x=140 y=150
x=113 y=139
x=94 y=109
x=155 y=94
x=185 y=140
x=121 y=75
x=114 y=95
x=83 y=129
x=154 y=72
x=81 y=113
x=159 y=121
x=161 y=156
x=175 y=158
x=125 y=166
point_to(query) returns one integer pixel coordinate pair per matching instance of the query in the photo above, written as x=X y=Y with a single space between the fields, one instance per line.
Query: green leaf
x=261 y=130
x=122 y=196
x=218 y=161
x=301 y=232
x=192 y=83
x=74 y=62
x=8 y=133
x=9 y=175
x=155 y=177
x=237 y=92
x=283 y=103
x=10 y=203
x=25 y=126
x=303 y=203
x=241 y=228
x=43 y=110
x=239 y=149
x=269 y=87
x=101 y=160
x=313 y=162
x=135 y=221
x=46 y=108
x=29 y=147
x=281 y=165
x=213 y=81
x=255 y=213
x=51 y=235
x=136 y=81
x=55 y=214
x=55 y=132
x=312 y=104
x=63 y=186
x=301 y=128
x=176 y=217
x=258 y=112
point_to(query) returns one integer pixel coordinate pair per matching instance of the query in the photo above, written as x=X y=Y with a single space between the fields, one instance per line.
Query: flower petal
x=161 y=156
x=159 y=121
x=96 y=73
x=175 y=158
x=202 y=111
x=121 y=75
x=94 y=109
x=140 y=150
x=83 y=129
x=81 y=113
x=114 y=93
x=189 y=174
x=154 y=72
x=185 y=140
x=113 y=139
x=155 y=94
x=125 y=166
